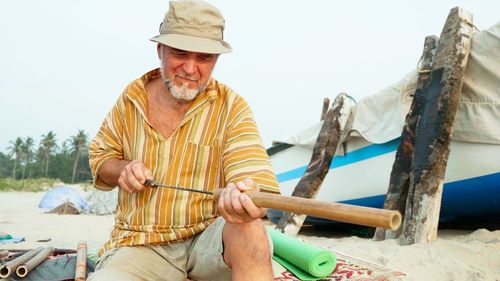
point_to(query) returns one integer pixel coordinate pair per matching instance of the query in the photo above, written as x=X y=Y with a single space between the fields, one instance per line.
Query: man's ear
x=159 y=50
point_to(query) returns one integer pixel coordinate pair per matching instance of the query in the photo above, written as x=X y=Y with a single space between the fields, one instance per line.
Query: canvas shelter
x=57 y=196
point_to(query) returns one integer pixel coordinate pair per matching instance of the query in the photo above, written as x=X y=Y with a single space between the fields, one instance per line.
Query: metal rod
x=151 y=183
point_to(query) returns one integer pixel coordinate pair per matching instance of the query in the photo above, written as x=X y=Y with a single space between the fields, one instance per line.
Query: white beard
x=182 y=93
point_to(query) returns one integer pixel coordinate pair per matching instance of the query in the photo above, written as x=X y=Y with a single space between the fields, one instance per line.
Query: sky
x=64 y=63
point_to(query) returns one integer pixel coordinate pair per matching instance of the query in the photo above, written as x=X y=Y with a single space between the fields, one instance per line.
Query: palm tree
x=47 y=146
x=15 y=149
x=78 y=144
x=27 y=153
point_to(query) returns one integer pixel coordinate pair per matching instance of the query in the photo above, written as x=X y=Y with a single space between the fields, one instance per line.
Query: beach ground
x=456 y=255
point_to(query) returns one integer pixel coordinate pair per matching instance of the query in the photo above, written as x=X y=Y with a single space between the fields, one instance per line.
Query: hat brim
x=193 y=43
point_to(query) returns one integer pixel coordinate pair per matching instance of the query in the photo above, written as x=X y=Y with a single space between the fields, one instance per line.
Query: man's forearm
x=111 y=169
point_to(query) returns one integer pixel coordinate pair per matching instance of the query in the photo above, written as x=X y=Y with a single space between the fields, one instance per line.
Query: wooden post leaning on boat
x=81 y=262
x=323 y=152
x=434 y=129
x=324 y=110
x=399 y=182
x=8 y=268
x=30 y=264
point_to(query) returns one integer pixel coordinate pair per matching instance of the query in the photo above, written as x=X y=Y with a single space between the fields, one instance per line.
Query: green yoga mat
x=306 y=261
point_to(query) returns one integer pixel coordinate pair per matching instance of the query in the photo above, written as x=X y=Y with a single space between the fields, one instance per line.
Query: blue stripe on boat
x=361 y=154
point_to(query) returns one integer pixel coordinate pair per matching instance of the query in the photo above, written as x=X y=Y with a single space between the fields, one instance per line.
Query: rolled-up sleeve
x=244 y=154
x=108 y=143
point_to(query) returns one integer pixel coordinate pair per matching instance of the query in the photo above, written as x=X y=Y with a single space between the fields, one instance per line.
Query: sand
x=456 y=255
x=20 y=216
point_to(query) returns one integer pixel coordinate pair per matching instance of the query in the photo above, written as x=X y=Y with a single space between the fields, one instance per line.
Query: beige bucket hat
x=195 y=26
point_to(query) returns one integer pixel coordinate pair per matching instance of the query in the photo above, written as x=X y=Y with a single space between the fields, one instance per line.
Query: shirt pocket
x=201 y=166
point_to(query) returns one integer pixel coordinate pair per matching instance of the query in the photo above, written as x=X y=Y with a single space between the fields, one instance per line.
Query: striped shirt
x=216 y=143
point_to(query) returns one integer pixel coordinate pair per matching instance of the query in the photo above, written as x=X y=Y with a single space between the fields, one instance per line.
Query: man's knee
x=246 y=242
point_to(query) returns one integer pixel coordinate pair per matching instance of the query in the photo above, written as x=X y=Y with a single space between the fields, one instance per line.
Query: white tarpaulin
x=380 y=118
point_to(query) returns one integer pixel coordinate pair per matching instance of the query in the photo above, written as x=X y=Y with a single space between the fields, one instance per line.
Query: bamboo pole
x=29 y=265
x=4 y=254
x=81 y=262
x=13 y=255
x=334 y=211
x=12 y=265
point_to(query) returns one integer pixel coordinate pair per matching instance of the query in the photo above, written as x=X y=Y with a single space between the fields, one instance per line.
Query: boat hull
x=361 y=176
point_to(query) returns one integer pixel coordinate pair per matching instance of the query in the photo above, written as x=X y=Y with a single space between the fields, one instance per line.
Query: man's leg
x=247 y=251
x=143 y=263
x=247 y=248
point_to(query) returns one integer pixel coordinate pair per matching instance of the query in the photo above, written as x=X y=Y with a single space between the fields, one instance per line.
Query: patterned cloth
x=217 y=142
x=347 y=269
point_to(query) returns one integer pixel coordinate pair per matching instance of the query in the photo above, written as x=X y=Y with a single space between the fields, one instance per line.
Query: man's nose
x=189 y=66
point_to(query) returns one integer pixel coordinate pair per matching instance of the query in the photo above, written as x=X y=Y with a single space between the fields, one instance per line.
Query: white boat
x=360 y=171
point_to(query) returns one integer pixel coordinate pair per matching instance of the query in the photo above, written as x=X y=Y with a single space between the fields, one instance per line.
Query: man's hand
x=133 y=176
x=128 y=175
x=237 y=207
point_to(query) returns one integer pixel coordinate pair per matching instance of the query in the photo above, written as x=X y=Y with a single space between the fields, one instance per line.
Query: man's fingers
x=242 y=186
x=226 y=198
x=137 y=172
x=133 y=176
x=250 y=208
x=221 y=206
x=147 y=174
x=250 y=183
x=235 y=202
x=123 y=185
x=134 y=183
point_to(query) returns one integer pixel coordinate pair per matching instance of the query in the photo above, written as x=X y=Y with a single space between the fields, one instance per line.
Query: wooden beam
x=399 y=182
x=326 y=105
x=323 y=152
x=434 y=129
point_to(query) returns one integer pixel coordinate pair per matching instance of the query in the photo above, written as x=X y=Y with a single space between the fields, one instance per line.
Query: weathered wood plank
x=434 y=129
x=399 y=182
x=326 y=105
x=323 y=152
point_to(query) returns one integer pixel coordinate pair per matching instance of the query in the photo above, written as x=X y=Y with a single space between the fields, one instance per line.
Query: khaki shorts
x=199 y=258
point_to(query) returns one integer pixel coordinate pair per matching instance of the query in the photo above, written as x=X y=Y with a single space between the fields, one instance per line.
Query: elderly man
x=179 y=126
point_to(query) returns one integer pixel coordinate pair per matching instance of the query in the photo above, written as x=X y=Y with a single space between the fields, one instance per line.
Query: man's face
x=185 y=73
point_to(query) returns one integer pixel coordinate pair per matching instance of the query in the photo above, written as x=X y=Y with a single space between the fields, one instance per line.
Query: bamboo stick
x=4 y=254
x=12 y=265
x=13 y=255
x=29 y=265
x=335 y=211
x=81 y=262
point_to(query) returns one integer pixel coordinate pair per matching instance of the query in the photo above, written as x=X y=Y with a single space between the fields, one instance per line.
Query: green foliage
x=25 y=160
x=32 y=185
x=6 y=164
